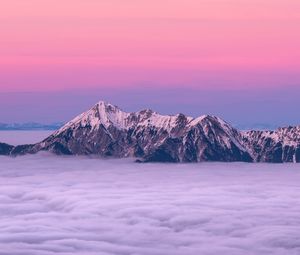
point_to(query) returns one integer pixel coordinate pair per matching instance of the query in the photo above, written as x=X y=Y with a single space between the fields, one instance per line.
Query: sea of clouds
x=75 y=205
x=23 y=137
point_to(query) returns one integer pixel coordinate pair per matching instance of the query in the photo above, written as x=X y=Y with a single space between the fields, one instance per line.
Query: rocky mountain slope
x=107 y=131
x=5 y=149
x=281 y=145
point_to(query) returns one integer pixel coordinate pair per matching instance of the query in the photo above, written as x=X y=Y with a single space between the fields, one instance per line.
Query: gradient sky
x=241 y=51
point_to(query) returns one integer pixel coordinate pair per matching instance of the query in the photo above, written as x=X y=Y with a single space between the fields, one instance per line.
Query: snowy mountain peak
x=106 y=107
x=106 y=130
x=146 y=113
x=109 y=115
x=101 y=114
x=208 y=120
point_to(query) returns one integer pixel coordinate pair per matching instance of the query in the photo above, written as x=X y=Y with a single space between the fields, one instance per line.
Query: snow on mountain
x=281 y=145
x=107 y=131
x=102 y=113
x=110 y=115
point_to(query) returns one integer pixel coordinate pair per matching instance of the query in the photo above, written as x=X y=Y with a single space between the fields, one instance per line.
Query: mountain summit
x=107 y=131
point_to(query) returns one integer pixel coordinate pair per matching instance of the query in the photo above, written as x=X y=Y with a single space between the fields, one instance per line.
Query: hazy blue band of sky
x=240 y=107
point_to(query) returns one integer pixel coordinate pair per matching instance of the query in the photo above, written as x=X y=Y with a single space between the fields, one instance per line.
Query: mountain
x=107 y=131
x=281 y=145
x=256 y=126
x=30 y=126
x=5 y=149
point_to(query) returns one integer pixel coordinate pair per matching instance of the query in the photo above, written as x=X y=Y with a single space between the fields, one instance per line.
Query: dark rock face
x=281 y=145
x=107 y=131
x=5 y=149
x=168 y=151
x=21 y=149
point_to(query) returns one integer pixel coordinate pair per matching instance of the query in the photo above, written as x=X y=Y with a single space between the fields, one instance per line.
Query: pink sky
x=56 y=45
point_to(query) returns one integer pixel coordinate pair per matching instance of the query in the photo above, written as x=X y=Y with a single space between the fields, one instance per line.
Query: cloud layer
x=55 y=205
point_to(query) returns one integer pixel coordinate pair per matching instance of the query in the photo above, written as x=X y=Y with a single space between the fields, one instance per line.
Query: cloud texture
x=56 y=205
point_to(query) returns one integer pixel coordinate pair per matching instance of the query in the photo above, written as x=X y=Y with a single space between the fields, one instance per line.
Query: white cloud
x=74 y=205
x=23 y=137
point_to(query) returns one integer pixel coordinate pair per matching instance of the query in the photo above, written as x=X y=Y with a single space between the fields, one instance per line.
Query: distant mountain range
x=257 y=126
x=107 y=131
x=30 y=126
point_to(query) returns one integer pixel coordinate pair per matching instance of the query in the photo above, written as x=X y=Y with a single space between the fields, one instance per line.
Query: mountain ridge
x=107 y=131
